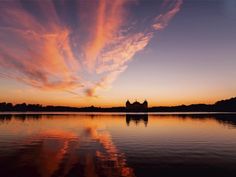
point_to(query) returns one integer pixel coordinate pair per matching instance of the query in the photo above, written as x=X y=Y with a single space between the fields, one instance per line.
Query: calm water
x=113 y=145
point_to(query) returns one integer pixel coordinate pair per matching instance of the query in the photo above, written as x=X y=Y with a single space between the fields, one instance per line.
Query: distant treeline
x=228 y=105
x=5 y=107
x=220 y=106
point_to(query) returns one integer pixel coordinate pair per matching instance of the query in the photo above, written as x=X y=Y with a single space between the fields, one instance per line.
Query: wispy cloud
x=162 y=20
x=38 y=55
x=114 y=57
x=109 y=18
x=45 y=51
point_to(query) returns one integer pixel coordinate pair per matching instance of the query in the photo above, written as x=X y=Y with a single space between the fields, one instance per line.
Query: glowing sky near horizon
x=103 y=52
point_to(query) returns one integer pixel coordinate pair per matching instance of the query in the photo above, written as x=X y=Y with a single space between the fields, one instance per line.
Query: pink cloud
x=162 y=20
x=38 y=55
x=45 y=54
x=109 y=18
x=124 y=47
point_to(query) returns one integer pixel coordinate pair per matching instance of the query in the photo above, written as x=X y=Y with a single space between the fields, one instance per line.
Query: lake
x=117 y=145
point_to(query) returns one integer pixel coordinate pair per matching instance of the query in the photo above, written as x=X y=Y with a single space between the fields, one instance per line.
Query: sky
x=102 y=52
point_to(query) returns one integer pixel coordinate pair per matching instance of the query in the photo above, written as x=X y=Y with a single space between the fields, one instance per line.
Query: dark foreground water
x=114 y=145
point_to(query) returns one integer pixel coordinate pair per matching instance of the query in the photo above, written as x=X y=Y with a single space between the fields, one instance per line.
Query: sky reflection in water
x=94 y=145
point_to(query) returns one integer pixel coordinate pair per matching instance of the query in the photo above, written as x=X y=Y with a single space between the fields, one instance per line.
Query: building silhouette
x=137 y=118
x=136 y=106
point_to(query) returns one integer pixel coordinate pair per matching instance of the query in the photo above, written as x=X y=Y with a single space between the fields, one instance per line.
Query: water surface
x=115 y=145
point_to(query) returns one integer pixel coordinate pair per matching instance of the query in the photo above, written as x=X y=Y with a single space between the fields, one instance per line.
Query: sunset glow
x=82 y=53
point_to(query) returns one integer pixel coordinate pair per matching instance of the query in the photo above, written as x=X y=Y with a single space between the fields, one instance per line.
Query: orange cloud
x=108 y=21
x=38 y=55
x=43 y=51
x=123 y=48
x=106 y=81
